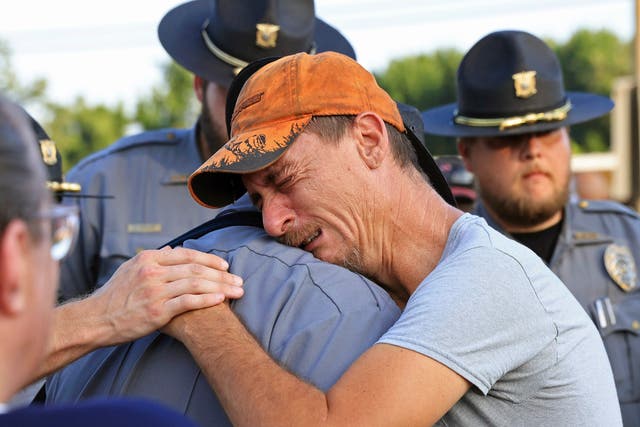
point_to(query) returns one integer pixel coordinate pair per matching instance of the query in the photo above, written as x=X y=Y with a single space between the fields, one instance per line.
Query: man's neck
x=416 y=233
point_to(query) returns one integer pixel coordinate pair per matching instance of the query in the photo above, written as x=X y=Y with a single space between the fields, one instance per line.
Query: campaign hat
x=509 y=83
x=52 y=161
x=215 y=39
x=273 y=100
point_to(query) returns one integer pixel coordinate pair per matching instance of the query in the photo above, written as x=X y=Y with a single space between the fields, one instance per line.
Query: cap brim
x=585 y=106
x=179 y=32
x=216 y=183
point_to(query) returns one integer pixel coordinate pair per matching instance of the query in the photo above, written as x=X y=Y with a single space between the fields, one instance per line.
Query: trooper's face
x=523 y=180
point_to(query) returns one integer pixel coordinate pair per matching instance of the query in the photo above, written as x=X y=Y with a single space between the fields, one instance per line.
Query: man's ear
x=464 y=149
x=198 y=87
x=372 y=137
x=15 y=243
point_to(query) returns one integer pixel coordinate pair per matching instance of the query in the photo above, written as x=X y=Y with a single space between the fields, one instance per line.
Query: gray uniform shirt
x=145 y=178
x=495 y=314
x=590 y=258
x=312 y=317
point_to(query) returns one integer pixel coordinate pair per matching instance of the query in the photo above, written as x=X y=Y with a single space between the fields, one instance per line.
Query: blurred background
x=92 y=72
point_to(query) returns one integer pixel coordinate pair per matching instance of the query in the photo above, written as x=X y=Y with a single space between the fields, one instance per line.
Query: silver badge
x=621 y=267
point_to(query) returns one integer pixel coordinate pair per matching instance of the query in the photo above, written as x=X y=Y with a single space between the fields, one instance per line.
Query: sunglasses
x=64 y=229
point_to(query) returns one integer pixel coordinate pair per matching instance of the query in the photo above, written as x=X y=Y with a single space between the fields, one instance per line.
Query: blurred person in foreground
x=144 y=293
x=488 y=334
x=35 y=234
x=512 y=121
x=313 y=317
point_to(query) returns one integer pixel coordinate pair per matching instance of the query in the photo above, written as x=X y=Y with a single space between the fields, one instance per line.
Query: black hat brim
x=585 y=107
x=179 y=32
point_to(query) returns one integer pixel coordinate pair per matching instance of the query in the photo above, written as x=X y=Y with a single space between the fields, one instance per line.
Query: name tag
x=176 y=180
x=144 y=228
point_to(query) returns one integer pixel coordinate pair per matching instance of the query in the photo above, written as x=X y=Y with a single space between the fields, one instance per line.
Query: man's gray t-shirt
x=495 y=314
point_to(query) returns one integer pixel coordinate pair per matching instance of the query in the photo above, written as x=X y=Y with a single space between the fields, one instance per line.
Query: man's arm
x=143 y=295
x=388 y=385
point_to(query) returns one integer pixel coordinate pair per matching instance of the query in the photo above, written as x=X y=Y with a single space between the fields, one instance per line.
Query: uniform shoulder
x=168 y=136
x=600 y=207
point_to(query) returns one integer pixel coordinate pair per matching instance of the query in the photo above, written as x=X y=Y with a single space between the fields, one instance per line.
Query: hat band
x=503 y=123
x=237 y=63
x=70 y=187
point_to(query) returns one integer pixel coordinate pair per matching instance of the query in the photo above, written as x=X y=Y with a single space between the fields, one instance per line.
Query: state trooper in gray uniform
x=313 y=317
x=145 y=175
x=511 y=120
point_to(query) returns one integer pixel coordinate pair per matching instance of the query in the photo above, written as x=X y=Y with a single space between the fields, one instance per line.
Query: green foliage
x=424 y=81
x=591 y=61
x=171 y=103
x=80 y=129
x=11 y=86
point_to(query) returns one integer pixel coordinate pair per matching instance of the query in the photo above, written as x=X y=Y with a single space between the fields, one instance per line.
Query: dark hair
x=333 y=128
x=22 y=176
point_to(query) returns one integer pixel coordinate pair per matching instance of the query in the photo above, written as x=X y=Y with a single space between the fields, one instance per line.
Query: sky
x=108 y=51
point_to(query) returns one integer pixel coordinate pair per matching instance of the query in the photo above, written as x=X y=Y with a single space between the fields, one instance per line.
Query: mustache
x=535 y=168
x=295 y=237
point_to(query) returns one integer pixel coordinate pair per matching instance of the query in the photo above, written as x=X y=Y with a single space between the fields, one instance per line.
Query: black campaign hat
x=509 y=83
x=214 y=39
x=53 y=163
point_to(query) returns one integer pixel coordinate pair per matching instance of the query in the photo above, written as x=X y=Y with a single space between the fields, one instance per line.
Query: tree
x=591 y=61
x=80 y=129
x=171 y=103
x=424 y=81
x=10 y=85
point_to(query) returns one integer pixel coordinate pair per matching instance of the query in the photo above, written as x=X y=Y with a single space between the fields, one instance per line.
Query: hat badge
x=49 y=153
x=621 y=267
x=266 y=35
x=524 y=84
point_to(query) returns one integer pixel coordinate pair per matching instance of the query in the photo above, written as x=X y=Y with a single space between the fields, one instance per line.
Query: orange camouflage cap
x=275 y=105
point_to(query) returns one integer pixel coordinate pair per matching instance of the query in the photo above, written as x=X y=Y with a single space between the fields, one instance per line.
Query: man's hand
x=147 y=291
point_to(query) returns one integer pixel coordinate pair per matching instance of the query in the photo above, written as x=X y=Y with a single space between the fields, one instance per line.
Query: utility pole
x=635 y=143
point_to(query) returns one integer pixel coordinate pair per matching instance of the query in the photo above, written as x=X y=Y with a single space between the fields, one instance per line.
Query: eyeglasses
x=64 y=229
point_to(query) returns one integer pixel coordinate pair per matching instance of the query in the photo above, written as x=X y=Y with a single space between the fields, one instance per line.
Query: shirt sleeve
x=478 y=314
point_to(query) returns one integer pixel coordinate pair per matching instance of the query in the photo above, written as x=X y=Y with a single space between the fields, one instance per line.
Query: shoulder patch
x=606 y=206
x=162 y=136
x=154 y=137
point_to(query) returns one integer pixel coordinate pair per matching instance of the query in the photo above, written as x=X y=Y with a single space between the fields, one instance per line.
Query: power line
x=375 y=15
x=369 y=13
